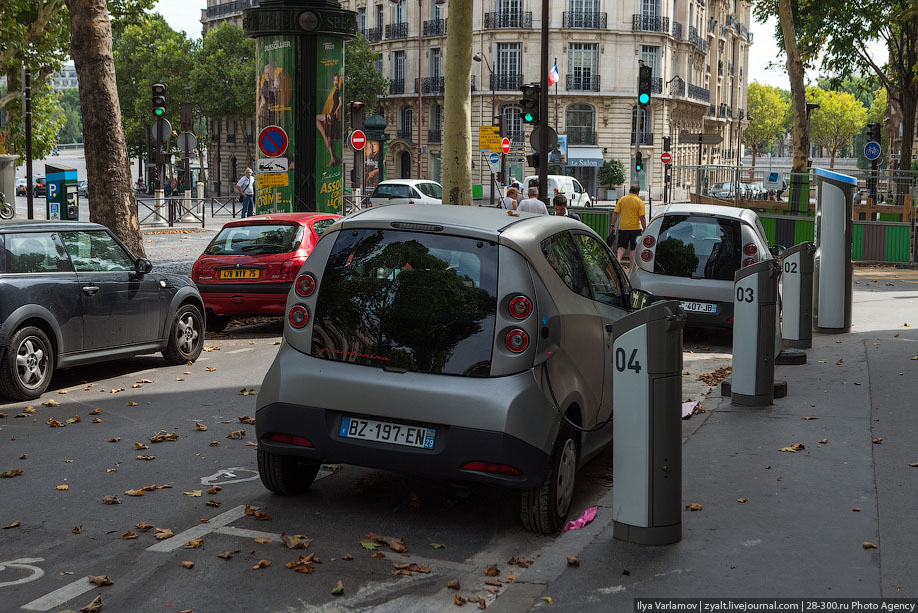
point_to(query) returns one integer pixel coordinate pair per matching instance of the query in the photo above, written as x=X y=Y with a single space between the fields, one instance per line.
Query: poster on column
x=329 y=123
x=373 y=156
x=275 y=58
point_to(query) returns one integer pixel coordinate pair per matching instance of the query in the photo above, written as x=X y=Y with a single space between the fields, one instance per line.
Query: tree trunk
x=457 y=121
x=755 y=154
x=832 y=159
x=111 y=199
x=798 y=91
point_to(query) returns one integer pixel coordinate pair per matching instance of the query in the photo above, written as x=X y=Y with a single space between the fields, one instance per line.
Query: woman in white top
x=510 y=201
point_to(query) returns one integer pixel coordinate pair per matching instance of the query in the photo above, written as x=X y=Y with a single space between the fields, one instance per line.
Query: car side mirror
x=777 y=250
x=142 y=266
x=639 y=298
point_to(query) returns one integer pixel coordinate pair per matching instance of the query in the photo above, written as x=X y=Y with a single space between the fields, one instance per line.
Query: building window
x=435 y=63
x=404 y=122
x=509 y=7
x=398 y=66
x=512 y=122
x=583 y=64
x=579 y=122
x=362 y=20
x=507 y=72
x=646 y=138
x=398 y=12
x=379 y=16
x=650 y=8
x=651 y=57
x=436 y=118
x=379 y=66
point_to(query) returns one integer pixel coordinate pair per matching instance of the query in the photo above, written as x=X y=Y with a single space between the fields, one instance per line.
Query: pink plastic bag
x=585 y=518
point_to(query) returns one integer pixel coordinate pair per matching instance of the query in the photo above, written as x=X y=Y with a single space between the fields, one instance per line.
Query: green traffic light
x=644 y=98
x=159 y=112
x=528 y=117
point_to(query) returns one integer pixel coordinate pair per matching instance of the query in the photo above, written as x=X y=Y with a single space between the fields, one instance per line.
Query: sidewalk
x=802 y=531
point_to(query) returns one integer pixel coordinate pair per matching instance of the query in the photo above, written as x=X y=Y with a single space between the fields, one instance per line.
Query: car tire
x=217 y=323
x=286 y=475
x=28 y=364
x=186 y=335
x=544 y=508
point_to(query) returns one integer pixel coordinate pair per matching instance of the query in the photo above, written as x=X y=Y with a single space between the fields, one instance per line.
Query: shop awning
x=584 y=156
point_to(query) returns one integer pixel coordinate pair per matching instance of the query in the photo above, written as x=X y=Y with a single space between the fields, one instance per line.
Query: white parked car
x=562 y=184
x=407 y=191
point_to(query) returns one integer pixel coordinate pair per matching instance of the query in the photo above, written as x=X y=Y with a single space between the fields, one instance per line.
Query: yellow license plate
x=240 y=273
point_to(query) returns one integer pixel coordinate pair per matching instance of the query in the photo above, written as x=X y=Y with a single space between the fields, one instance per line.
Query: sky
x=186 y=15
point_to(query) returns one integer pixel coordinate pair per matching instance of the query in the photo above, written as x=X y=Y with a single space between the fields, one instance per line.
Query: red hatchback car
x=249 y=267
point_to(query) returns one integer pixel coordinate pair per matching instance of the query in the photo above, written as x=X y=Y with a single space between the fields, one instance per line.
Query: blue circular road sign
x=272 y=140
x=493 y=158
x=872 y=150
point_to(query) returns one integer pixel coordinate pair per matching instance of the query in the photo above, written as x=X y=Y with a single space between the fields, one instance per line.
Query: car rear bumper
x=237 y=299
x=718 y=293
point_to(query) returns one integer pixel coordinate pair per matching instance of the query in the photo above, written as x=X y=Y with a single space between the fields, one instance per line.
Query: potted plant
x=611 y=175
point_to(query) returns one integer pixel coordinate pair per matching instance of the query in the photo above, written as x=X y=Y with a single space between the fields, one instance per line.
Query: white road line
x=60 y=596
x=240 y=350
x=25 y=563
x=179 y=540
x=251 y=534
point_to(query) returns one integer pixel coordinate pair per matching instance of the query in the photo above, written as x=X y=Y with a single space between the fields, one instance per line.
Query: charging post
x=647 y=440
x=797 y=295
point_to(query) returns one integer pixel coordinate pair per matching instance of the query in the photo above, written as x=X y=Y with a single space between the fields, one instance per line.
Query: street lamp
x=739 y=159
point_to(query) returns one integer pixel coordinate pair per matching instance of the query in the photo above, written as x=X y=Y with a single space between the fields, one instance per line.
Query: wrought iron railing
x=435 y=27
x=744 y=31
x=677 y=30
x=374 y=35
x=405 y=133
x=510 y=19
x=656 y=85
x=697 y=40
x=431 y=85
x=581 y=135
x=649 y=23
x=712 y=26
x=678 y=87
x=699 y=93
x=582 y=83
x=230 y=8
x=434 y=136
x=396 y=30
x=397 y=86
x=583 y=19
x=646 y=138
x=505 y=81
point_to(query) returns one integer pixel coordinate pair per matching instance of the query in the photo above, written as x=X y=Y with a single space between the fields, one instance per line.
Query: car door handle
x=90 y=289
x=608 y=328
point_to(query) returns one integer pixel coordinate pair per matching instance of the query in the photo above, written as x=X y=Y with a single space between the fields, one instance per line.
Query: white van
x=561 y=184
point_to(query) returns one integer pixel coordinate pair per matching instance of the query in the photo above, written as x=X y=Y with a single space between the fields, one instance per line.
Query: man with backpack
x=247 y=193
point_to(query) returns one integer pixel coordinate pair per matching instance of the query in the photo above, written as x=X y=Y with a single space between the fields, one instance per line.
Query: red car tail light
x=517 y=340
x=196 y=270
x=748 y=262
x=646 y=255
x=750 y=249
x=298 y=316
x=292 y=266
x=489 y=467
x=305 y=285
x=290 y=439
x=520 y=307
x=649 y=241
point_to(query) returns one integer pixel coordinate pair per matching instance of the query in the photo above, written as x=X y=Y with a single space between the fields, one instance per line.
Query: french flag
x=553 y=75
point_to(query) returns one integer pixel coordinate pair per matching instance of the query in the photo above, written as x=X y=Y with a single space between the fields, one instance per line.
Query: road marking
x=25 y=563
x=220 y=521
x=59 y=596
x=239 y=350
x=249 y=534
x=228 y=475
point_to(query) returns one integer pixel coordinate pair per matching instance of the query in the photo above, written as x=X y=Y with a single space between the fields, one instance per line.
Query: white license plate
x=385 y=432
x=699 y=307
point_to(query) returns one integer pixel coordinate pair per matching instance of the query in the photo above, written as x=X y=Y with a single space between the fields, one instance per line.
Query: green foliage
x=72 y=132
x=361 y=80
x=47 y=121
x=612 y=173
x=838 y=119
x=223 y=77
x=34 y=33
x=769 y=110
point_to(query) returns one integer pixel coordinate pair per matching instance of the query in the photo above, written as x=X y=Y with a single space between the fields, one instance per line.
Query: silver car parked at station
x=459 y=342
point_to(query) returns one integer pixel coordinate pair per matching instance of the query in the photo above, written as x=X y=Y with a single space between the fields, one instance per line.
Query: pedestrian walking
x=560 y=204
x=633 y=221
x=247 y=193
x=532 y=204
x=509 y=201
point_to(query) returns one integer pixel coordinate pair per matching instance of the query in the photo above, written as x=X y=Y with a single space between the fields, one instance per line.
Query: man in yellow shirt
x=631 y=209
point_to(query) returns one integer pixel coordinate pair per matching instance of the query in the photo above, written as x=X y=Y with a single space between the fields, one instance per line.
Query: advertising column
x=275 y=60
x=329 y=123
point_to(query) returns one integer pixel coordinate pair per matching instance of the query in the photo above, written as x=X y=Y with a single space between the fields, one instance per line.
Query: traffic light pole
x=543 y=110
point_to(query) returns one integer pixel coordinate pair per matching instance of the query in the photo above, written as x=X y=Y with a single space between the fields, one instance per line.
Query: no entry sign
x=665 y=157
x=505 y=145
x=358 y=140
x=272 y=140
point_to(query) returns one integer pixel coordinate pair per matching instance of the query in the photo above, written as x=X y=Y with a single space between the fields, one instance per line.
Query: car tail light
x=305 y=285
x=292 y=266
x=748 y=262
x=750 y=249
x=290 y=439
x=517 y=340
x=411 y=202
x=646 y=255
x=520 y=307
x=649 y=241
x=489 y=467
x=196 y=270
x=298 y=316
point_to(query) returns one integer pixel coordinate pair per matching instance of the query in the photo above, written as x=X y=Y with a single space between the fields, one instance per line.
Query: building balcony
x=435 y=27
x=228 y=9
x=712 y=111
x=396 y=30
x=646 y=138
x=731 y=20
x=506 y=81
x=374 y=35
x=722 y=111
x=582 y=19
x=582 y=83
x=699 y=93
x=707 y=68
x=700 y=43
x=397 y=86
x=656 y=85
x=404 y=133
x=678 y=87
x=231 y=138
x=641 y=23
x=434 y=136
x=510 y=19
x=741 y=113
x=723 y=31
x=744 y=31
x=581 y=135
x=720 y=69
x=712 y=27
x=677 y=30
x=431 y=85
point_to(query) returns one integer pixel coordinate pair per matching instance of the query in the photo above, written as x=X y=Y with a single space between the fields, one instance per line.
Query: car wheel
x=286 y=475
x=544 y=509
x=217 y=323
x=27 y=366
x=186 y=336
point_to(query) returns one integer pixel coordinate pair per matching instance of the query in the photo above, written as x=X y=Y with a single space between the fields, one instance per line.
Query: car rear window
x=699 y=247
x=256 y=239
x=408 y=300
x=431 y=190
x=392 y=190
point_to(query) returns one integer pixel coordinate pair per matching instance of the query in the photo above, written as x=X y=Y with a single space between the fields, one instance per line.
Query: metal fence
x=187 y=210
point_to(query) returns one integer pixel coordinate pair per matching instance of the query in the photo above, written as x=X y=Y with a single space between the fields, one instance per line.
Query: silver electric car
x=460 y=342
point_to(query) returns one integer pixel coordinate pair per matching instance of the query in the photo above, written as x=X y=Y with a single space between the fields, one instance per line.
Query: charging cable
x=554 y=400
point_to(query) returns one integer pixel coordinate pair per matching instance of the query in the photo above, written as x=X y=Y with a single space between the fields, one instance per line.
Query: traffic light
x=667 y=143
x=158 y=99
x=638 y=162
x=533 y=160
x=356 y=115
x=873 y=132
x=529 y=103
x=645 y=74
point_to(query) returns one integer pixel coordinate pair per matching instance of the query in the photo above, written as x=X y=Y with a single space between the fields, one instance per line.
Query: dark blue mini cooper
x=71 y=293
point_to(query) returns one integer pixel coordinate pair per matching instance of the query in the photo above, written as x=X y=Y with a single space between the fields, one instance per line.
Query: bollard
x=797 y=295
x=200 y=194
x=834 y=271
x=755 y=313
x=647 y=440
x=159 y=208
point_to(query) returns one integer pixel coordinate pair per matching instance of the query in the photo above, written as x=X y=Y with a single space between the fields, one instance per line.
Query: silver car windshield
x=700 y=247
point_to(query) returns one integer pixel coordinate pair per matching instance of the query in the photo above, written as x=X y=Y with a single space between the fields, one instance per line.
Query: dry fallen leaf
x=146 y=457
x=251 y=444
x=262 y=564
x=145 y=526
x=693 y=507
x=246 y=419
x=15 y=524
x=295 y=541
x=823 y=441
x=114 y=440
x=210 y=369
x=214 y=490
x=188 y=564
x=194 y=543
x=914 y=464
x=346 y=557
x=54 y=423
x=869 y=545
x=453 y=584
x=572 y=561
x=116 y=390
x=394 y=544
x=855 y=510
x=878 y=440
x=110 y=500
x=492 y=571
x=9 y=474
x=213 y=503
x=793 y=448
x=438 y=545
x=194 y=493
x=163 y=534
x=50 y=403
x=263 y=541
x=135 y=492
x=97 y=420
x=93 y=607
x=547 y=599
x=132 y=403
x=226 y=555
x=200 y=427
x=261 y=515
x=742 y=500
x=62 y=488
x=236 y=434
x=378 y=555
x=141 y=446
x=338 y=590
x=101 y=580
x=214 y=444
x=459 y=600
x=129 y=535
x=494 y=582
x=371 y=545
